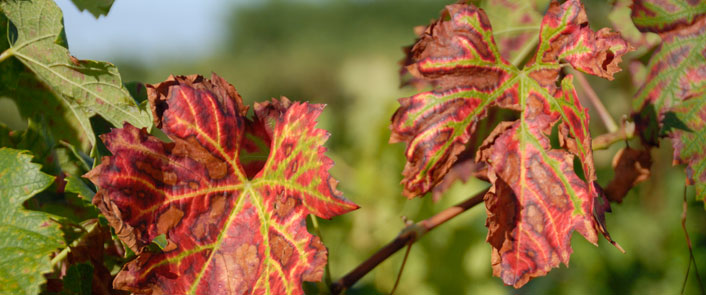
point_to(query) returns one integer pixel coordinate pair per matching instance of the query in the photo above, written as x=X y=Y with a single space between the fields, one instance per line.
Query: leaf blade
x=95 y=7
x=537 y=200
x=675 y=87
x=29 y=237
x=225 y=232
x=85 y=87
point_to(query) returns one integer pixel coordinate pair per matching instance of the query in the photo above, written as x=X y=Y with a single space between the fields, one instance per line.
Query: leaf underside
x=28 y=237
x=537 y=199
x=230 y=228
x=35 y=38
x=674 y=93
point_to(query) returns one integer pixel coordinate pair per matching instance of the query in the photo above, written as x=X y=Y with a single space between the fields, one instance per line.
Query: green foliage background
x=344 y=53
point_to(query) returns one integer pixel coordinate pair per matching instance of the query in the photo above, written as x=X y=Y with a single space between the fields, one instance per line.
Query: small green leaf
x=28 y=237
x=95 y=7
x=75 y=185
x=161 y=241
x=81 y=159
x=137 y=90
x=79 y=279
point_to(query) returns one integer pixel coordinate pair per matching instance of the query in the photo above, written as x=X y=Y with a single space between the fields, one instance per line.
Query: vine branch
x=603 y=141
x=407 y=236
x=65 y=252
x=691 y=252
x=596 y=102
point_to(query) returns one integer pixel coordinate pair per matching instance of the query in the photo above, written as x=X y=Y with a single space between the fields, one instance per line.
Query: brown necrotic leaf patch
x=232 y=228
x=537 y=199
x=631 y=166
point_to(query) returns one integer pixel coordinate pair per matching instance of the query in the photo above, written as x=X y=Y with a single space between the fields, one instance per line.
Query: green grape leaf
x=78 y=279
x=28 y=236
x=84 y=87
x=537 y=199
x=33 y=99
x=76 y=185
x=95 y=7
x=229 y=228
x=672 y=100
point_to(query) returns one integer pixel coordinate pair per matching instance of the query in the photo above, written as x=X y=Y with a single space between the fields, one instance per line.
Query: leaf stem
x=5 y=54
x=691 y=252
x=399 y=274
x=59 y=257
x=516 y=29
x=596 y=102
x=604 y=141
x=409 y=235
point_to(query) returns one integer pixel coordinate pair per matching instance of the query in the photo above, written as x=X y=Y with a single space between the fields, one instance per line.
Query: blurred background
x=344 y=53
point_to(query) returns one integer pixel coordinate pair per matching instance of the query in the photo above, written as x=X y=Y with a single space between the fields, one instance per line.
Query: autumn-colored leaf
x=621 y=21
x=515 y=25
x=672 y=100
x=666 y=16
x=228 y=230
x=462 y=170
x=631 y=167
x=537 y=199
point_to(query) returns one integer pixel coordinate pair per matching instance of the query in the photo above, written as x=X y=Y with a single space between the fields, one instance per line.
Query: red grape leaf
x=672 y=100
x=515 y=25
x=537 y=199
x=229 y=230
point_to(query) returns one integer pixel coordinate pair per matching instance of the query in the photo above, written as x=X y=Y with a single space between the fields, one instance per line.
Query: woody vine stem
x=408 y=235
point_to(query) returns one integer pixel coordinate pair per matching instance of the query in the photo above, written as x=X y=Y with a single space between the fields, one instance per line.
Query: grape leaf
x=84 y=87
x=228 y=230
x=95 y=7
x=33 y=99
x=28 y=236
x=75 y=184
x=515 y=25
x=674 y=93
x=537 y=199
x=78 y=279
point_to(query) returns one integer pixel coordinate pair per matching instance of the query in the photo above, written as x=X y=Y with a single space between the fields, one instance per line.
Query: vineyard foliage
x=179 y=187
x=537 y=200
x=229 y=227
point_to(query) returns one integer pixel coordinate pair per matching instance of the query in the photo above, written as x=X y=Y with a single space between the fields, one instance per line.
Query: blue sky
x=148 y=30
